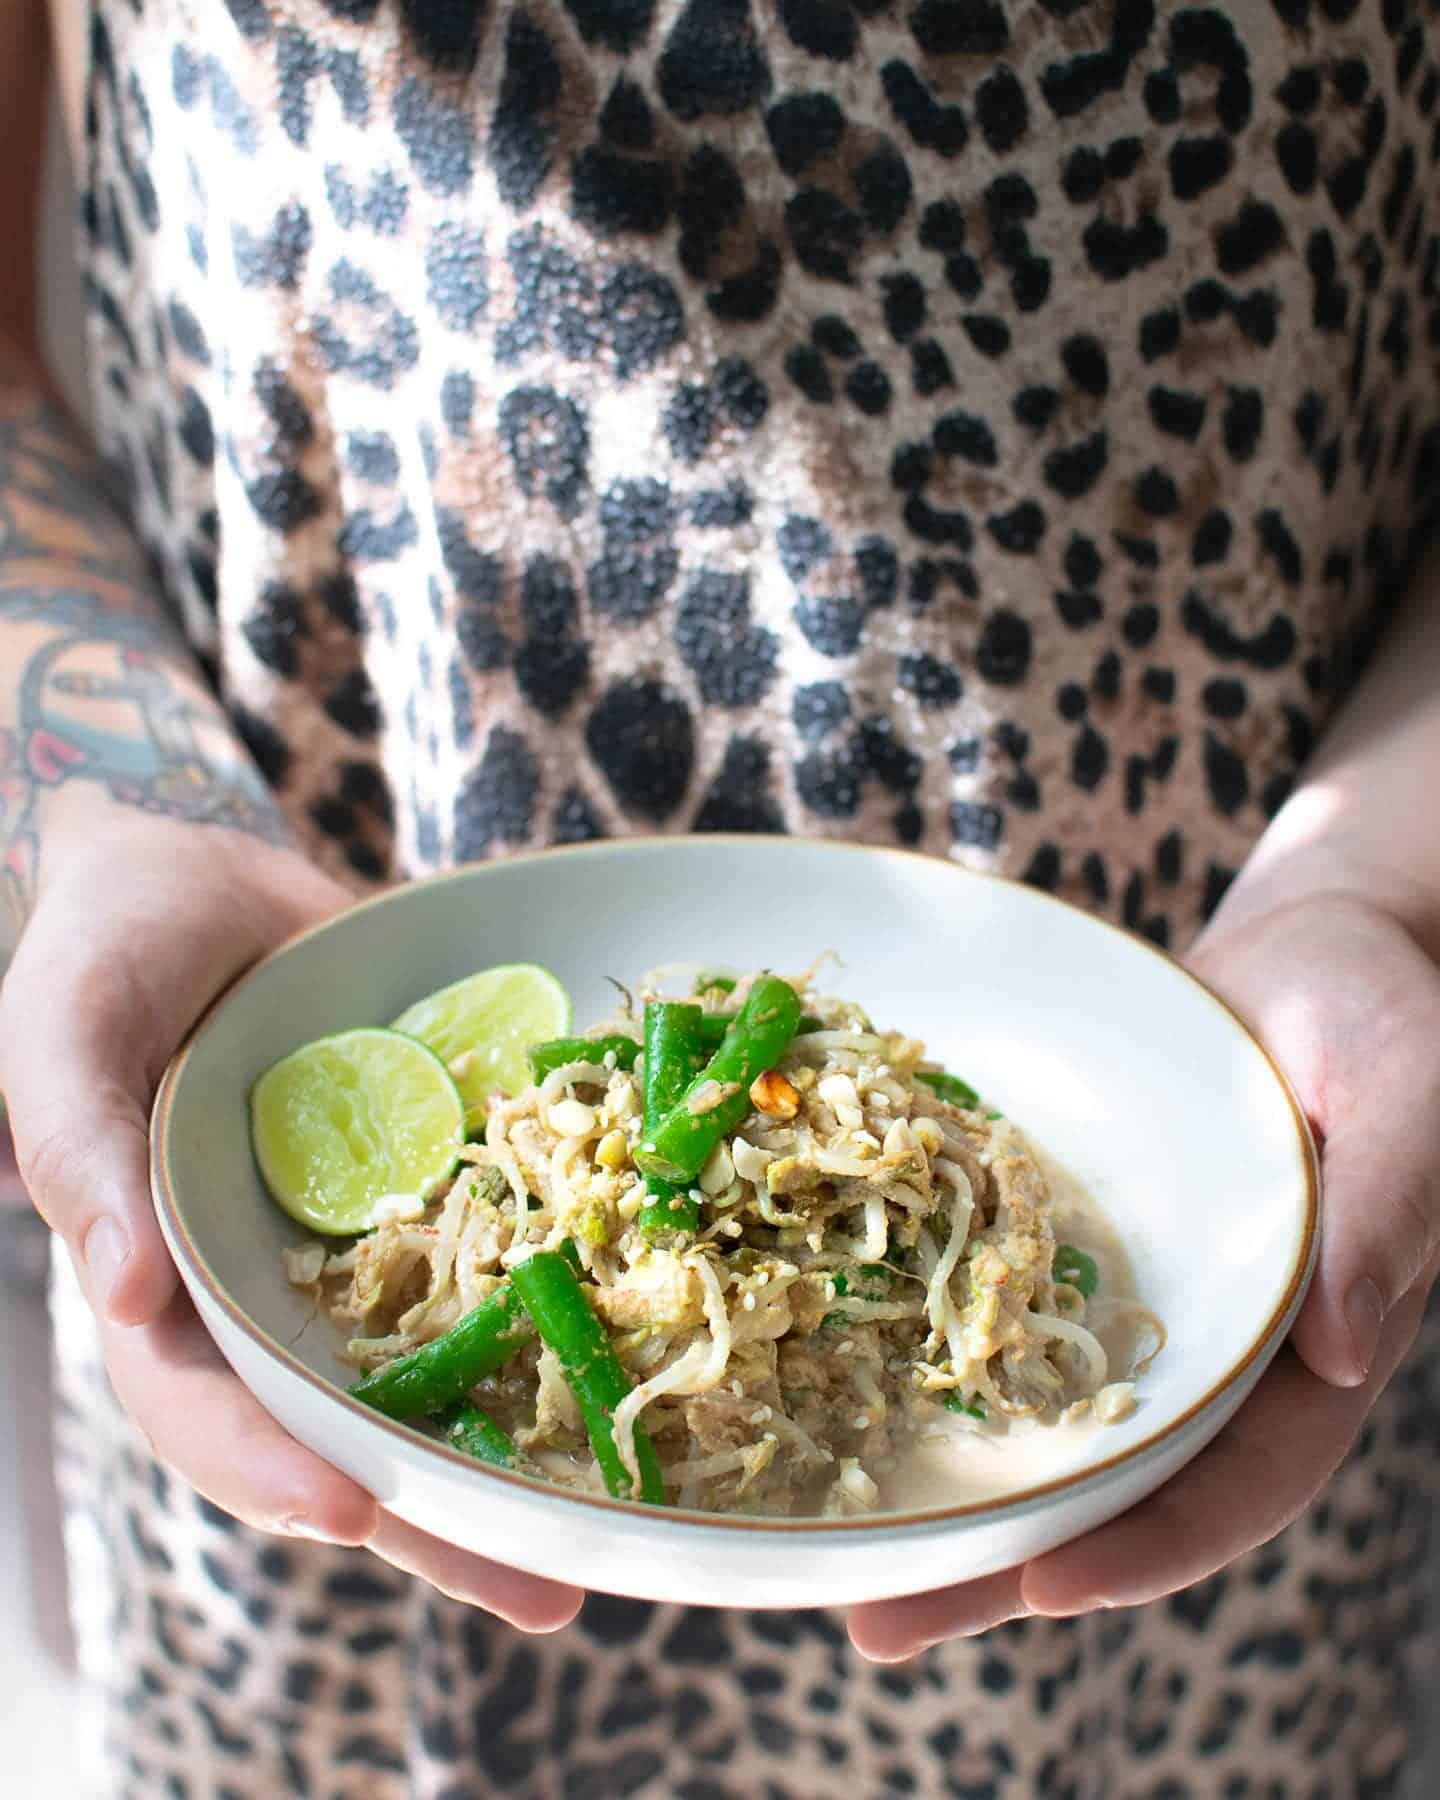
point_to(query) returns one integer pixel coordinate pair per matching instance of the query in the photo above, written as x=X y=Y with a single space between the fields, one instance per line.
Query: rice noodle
x=458 y=1201
x=695 y=1371
x=566 y=1075
x=704 y=1468
x=832 y=1162
x=872 y=1082
x=504 y=1159
x=790 y=1433
x=1112 y=1305
x=557 y=1202
x=876 y=1242
x=871 y=1311
x=825 y=1041
x=372 y=1353
x=675 y=1378
x=717 y=1314
x=1086 y=1342
x=939 y=1302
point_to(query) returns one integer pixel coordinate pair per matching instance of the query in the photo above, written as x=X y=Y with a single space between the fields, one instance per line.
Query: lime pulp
x=482 y=1026
x=355 y=1128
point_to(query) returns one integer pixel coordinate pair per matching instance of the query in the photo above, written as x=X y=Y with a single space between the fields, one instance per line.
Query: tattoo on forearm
x=93 y=685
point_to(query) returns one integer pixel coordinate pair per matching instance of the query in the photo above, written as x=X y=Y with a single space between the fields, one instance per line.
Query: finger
x=1381 y=1237
x=887 y=1631
x=78 y=1105
x=529 y=1602
x=1257 y=1475
x=198 y=1417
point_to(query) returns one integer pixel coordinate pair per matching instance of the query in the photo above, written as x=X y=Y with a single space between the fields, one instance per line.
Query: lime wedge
x=481 y=1027
x=355 y=1128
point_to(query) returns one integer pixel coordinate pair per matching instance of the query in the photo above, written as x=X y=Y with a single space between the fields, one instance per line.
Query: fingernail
x=302 y=1528
x=1364 y=1315
x=106 y=1251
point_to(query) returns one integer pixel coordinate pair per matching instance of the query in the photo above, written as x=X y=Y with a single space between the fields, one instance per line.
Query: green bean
x=476 y=1434
x=955 y=1402
x=1076 y=1269
x=561 y=1314
x=719 y=1097
x=720 y=984
x=447 y=1367
x=949 y=1087
x=555 y=1052
x=714 y=1025
x=673 y=1054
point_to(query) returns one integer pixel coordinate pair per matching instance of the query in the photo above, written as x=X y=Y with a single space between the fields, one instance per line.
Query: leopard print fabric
x=228 y=1666
x=994 y=426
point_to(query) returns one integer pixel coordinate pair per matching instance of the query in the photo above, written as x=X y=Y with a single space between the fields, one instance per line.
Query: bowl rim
x=1262 y=1342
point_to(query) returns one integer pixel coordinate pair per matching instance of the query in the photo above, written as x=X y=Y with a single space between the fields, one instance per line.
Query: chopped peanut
x=899 y=1139
x=774 y=1096
x=749 y=1161
x=572 y=1118
x=927 y=1135
x=718 y=1172
x=613 y=1150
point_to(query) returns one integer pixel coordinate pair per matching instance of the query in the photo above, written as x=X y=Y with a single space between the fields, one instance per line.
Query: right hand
x=133 y=934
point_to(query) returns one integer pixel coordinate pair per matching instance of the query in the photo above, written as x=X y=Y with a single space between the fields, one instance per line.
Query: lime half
x=355 y=1128
x=481 y=1027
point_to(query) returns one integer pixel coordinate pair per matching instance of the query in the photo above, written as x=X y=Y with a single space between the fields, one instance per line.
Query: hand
x=130 y=939
x=1349 y=1003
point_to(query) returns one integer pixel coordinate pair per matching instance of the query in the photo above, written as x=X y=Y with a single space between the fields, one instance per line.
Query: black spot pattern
x=732 y=659
x=642 y=738
x=496 y=802
x=523 y=123
x=437 y=135
x=712 y=62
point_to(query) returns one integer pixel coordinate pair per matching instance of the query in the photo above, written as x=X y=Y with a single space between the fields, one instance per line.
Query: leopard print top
x=992 y=427
x=996 y=426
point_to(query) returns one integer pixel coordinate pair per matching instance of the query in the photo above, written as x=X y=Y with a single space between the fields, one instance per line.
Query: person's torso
x=985 y=427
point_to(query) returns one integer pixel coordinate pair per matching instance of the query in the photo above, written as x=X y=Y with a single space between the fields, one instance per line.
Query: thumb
x=1381 y=1215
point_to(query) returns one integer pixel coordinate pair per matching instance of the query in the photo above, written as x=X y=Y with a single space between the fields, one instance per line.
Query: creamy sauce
x=953 y=1461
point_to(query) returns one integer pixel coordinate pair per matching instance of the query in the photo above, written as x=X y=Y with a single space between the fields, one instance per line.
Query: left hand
x=1348 y=1001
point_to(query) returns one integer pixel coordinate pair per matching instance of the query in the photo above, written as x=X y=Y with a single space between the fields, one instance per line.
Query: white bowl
x=1111 y=1057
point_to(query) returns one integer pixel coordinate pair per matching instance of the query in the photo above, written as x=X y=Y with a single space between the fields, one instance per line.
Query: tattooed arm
x=99 y=699
x=142 y=859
